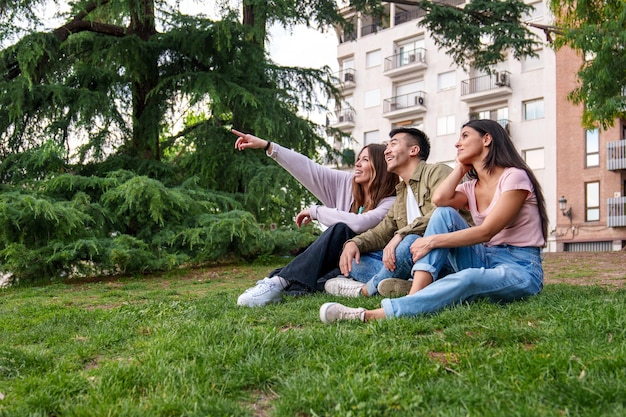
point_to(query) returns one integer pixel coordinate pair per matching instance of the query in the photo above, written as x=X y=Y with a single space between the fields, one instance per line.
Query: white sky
x=303 y=47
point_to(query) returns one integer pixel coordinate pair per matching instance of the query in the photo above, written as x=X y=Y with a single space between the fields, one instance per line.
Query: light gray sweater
x=333 y=188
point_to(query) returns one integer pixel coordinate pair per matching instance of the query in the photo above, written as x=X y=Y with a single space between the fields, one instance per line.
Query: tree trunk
x=256 y=18
x=146 y=114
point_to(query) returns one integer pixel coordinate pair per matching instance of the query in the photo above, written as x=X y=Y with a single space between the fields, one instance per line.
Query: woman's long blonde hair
x=381 y=185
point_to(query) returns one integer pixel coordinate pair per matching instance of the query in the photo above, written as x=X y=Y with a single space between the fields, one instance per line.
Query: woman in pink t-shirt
x=499 y=258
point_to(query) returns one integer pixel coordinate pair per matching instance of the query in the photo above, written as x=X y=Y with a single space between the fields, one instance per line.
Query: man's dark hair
x=417 y=137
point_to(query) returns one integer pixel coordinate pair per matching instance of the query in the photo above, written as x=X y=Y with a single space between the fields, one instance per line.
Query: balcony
x=616 y=155
x=343 y=119
x=406 y=105
x=486 y=87
x=408 y=15
x=505 y=123
x=406 y=62
x=345 y=79
x=617 y=212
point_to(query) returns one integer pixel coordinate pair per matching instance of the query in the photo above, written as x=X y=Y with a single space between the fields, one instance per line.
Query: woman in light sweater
x=351 y=203
x=499 y=259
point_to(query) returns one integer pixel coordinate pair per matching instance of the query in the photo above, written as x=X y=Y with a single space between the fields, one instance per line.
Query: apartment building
x=591 y=173
x=392 y=74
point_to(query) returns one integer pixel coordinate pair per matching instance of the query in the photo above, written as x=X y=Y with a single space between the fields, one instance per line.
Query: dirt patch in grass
x=574 y=268
x=586 y=268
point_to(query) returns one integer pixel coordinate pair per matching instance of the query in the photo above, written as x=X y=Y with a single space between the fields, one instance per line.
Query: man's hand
x=389 y=252
x=350 y=252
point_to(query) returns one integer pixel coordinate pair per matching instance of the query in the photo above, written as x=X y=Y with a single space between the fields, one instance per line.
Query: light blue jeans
x=371 y=269
x=498 y=273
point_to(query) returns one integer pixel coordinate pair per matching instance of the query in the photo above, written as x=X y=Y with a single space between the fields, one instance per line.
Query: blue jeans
x=371 y=269
x=498 y=273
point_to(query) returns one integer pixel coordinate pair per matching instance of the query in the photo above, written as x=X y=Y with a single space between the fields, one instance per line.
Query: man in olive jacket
x=386 y=247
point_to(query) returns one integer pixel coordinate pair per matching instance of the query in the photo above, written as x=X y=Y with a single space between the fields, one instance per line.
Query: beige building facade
x=392 y=74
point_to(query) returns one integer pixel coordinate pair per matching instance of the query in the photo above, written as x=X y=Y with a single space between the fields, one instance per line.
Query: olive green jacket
x=423 y=182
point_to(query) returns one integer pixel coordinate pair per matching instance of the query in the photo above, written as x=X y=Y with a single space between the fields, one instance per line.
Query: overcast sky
x=303 y=47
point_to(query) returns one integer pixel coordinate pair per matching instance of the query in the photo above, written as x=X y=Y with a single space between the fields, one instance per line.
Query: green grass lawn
x=178 y=345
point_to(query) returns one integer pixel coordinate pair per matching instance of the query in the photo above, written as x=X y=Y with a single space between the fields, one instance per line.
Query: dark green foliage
x=68 y=224
x=461 y=31
x=597 y=30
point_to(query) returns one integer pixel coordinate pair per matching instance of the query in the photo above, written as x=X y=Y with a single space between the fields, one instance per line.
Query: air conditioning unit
x=412 y=57
x=502 y=79
x=348 y=77
x=341 y=118
x=419 y=100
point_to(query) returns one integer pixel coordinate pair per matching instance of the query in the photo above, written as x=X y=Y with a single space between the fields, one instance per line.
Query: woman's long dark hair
x=381 y=185
x=502 y=153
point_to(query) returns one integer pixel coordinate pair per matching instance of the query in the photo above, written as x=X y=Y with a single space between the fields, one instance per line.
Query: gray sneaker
x=263 y=293
x=344 y=287
x=394 y=287
x=332 y=312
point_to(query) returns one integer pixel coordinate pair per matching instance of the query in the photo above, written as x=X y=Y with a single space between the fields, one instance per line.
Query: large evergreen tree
x=114 y=142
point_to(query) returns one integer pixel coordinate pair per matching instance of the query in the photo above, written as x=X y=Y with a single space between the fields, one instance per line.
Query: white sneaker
x=331 y=312
x=344 y=287
x=264 y=292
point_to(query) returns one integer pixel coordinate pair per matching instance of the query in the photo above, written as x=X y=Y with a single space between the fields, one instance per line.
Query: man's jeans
x=371 y=270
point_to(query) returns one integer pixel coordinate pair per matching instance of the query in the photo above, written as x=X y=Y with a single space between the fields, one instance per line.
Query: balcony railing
x=407 y=16
x=404 y=101
x=344 y=116
x=617 y=212
x=417 y=55
x=486 y=82
x=345 y=77
x=373 y=28
x=616 y=155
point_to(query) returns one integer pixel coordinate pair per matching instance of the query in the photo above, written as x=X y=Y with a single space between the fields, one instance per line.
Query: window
x=446 y=80
x=409 y=94
x=371 y=137
x=446 y=125
x=533 y=109
x=347 y=64
x=534 y=158
x=592 y=148
x=410 y=51
x=530 y=63
x=500 y=115
x=592 y=201
x=537 y=12
x=372 y=98
x=373 y=58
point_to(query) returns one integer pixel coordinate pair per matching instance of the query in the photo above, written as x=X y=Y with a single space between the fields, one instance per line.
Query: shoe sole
x=394 y=287
x=258 y=304
x=323 y=310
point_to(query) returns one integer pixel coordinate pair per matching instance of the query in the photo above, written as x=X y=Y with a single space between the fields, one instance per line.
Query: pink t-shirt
x=525 y=229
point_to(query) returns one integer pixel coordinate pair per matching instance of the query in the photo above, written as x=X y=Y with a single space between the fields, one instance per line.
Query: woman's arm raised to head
x=445 y=195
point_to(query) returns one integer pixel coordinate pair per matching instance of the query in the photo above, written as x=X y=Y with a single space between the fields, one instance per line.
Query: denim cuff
x=386 y=305
x=371 y=288
x=425 y=267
